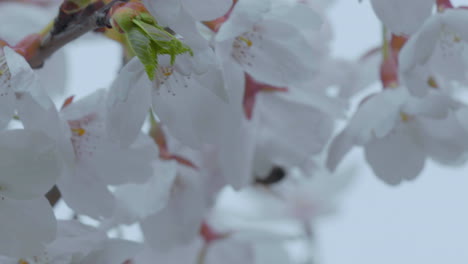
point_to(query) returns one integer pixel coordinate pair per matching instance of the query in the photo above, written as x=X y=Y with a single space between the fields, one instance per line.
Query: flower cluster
x=419 y=114
x=217 y=138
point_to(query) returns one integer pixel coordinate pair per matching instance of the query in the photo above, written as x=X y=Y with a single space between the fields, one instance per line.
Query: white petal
x=230 y=251
x=179 y=222
x=204 y=10
x=138 y=201
x=444 y=139
x=244 y=15
x=26 y=226
x=462 y=117
x=339 y=147
x=98 y=201
x=335 y=107
x=402 y=16
x=289 y=132
x=181 y=254
x=29 y=164
x=433 y=106
x=236 y=151
x=188 y=28
x=378 y=115
x=280 y=55
x=113 y=251
x=23 y=78
x=41 y=115
x=128 y=103
x=165 y=12
x=456 y=20
x=116 y=165
x=192 y=113
x=416 y=53
x=74 y=238
x=395 y=157
x=296 y=14
x=7 y=104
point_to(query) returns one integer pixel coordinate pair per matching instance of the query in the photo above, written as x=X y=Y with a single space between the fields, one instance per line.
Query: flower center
x=245 y=40
x=79 y=131
x=171 y=80
x=405 y=117
x=242 y=45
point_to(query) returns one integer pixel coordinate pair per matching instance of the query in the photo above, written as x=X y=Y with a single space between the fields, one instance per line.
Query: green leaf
x=154 y=31
x=149 y=40
x=142 y=46
x=163 y=40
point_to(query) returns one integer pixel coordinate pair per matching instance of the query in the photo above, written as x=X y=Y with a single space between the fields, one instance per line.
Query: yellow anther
x=166 y=71
x=404 y=117
x=432 y=82
x=393 y=85
x=246 y=40
x=79 y=131
x=456 y=39
x=22 y=261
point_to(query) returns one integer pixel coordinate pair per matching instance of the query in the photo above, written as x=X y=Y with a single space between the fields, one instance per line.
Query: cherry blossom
x=249 y=38
x=400 y=132
x=436 y=51
x=214 y=143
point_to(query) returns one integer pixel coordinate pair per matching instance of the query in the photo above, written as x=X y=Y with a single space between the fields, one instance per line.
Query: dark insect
x=276 y=175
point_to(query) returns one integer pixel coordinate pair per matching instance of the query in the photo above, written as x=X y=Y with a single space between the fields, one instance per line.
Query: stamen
x=432 y=82
x=246 y=40
x=79 y=131
x=405 y=117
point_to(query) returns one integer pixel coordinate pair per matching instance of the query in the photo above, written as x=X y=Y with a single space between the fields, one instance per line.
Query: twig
x=87 y=20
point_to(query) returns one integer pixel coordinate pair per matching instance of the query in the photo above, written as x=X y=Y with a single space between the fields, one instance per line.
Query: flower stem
x=202 y=253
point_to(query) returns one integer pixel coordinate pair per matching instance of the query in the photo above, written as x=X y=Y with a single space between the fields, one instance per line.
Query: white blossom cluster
x=248 y=116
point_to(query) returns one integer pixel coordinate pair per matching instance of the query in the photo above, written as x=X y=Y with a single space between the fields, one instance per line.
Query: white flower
x=267 y=42
x=437 y=50
x=285 y=130
x=92 y=160
x=99 y=160
x=173 y=203
x=186 y=97
x=399 y=132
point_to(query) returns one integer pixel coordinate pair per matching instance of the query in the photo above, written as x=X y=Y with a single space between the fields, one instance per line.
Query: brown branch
x=92 y=17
